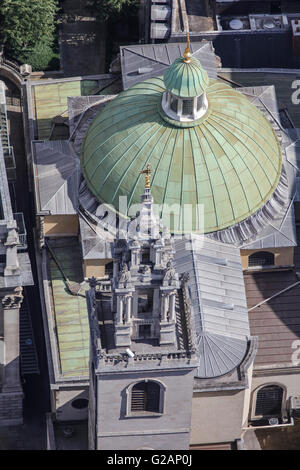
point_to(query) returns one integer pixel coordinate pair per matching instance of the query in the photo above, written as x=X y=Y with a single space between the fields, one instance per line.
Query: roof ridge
x=64 y=183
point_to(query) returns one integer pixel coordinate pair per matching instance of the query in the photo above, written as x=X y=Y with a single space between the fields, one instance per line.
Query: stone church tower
x=142 y=352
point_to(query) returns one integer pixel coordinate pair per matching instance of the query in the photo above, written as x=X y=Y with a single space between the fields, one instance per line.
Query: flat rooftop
x=50 y=100
x=69 y=311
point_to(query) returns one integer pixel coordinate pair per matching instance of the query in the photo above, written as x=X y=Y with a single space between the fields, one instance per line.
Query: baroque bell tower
x=145 y=283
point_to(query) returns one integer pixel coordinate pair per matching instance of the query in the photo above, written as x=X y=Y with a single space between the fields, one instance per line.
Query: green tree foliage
x=40 y=57
x=108 y=9
x=26 y=25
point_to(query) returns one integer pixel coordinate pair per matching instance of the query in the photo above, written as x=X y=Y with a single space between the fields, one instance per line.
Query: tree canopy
x=26 y=24
x=107 y=9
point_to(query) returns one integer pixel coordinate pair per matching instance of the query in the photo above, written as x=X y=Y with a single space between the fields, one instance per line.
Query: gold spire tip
x=147 y=173
x=187 y=52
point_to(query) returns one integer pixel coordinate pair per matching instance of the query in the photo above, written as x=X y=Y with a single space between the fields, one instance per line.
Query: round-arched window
x=261 y=258
x=145 y=397
x=269 y=401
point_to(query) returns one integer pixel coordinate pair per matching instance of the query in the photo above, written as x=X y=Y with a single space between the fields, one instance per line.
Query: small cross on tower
x=147 y=173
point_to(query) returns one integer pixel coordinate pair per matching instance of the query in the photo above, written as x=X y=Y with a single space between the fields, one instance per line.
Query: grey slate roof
x=57 y=176
x=95 y=242
x=140 y=62
x=218 y=299
x=281 y=232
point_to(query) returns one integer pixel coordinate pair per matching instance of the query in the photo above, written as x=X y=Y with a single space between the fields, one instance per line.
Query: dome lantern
x=186 y=81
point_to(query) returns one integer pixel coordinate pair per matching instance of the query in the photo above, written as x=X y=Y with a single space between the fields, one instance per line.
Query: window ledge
x=273 y=426
x=268 y=426
x=143 y=414
x=271 y=267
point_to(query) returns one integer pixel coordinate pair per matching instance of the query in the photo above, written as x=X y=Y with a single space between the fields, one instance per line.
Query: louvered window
x=187 y=107
x=145 y=397
x=261 y=258
x=269 y=401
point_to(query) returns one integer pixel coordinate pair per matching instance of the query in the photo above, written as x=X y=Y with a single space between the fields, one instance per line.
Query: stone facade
x=11 y=394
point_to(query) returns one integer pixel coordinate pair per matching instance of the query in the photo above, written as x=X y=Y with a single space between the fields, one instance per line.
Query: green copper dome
x=186 y=79
x=229 y=160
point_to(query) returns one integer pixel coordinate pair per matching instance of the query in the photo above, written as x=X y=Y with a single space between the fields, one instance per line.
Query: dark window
x=187 y=107
x=109 y=268
x=145 y=301
x=144 y=331
x=145 y=397
x=80 y=403
x=261 y=258
x=269 y=401
x=145 y=256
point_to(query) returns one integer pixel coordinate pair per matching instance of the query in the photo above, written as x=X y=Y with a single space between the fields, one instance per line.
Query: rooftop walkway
x=71 y=318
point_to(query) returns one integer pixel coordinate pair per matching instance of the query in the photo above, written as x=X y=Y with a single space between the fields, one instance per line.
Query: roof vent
x=269 y=23
x=142 y=70
x=236 y=24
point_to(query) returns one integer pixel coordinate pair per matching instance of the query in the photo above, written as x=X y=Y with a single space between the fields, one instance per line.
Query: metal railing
x=19 y=218
x=10 y=163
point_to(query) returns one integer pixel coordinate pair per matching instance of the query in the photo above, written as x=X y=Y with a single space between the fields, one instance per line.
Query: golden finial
x=187 y=53
x=147 y=173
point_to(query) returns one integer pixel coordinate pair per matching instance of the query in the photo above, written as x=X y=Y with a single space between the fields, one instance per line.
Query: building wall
x=95 y=267
x=283 y=256
x=11 y=396
x=217 y=416
x=11 y=408
x=61 y=225
x=171 y=430
x=247 y=401
x=63 y=398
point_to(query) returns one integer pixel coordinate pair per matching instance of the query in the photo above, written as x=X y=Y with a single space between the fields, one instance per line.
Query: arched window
x=269 y=401
x=145 y=397
x=261 y=258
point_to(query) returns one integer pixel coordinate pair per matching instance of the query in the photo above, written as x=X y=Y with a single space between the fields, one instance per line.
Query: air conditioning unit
x=295 y=406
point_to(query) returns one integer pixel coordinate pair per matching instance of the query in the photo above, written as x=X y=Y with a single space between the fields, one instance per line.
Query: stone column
x=123 y=318
x=167 y=324
x=128 y=308
x=115 y=269
x=135 y=259
x=172 y=306
x=12 y=267
x=120 y=306
x=165 y=299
